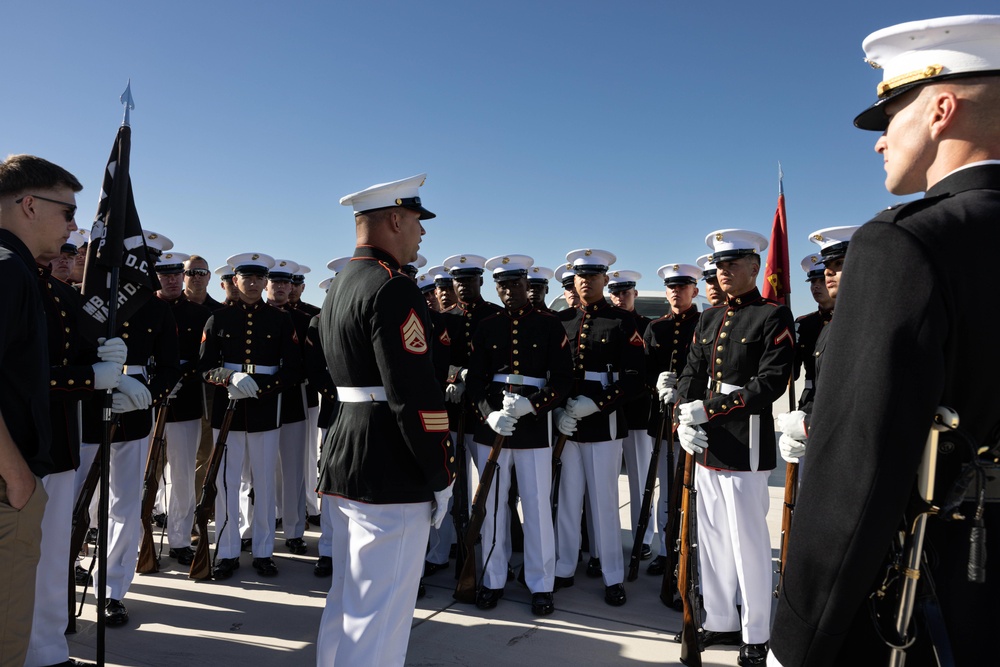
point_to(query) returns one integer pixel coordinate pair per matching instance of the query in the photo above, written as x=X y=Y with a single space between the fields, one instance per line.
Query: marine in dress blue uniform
x=388 y=459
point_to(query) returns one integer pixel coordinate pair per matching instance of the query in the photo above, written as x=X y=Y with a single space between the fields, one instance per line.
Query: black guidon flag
x=116 y=240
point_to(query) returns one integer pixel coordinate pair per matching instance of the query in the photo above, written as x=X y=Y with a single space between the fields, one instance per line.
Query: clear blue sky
x=638 y=127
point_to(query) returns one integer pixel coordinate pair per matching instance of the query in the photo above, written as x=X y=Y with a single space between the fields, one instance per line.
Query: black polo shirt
x=24 y=355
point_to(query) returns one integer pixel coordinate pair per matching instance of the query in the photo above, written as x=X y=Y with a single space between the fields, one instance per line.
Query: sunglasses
x=196 y=272
x=70 y=212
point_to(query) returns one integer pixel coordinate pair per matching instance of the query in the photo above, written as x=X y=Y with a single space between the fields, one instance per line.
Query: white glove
x=121 y=403
x=136 y=391
x=516 y=405
x=692 y=413
x=173 y=392
x=693 y=439
x=453 y=392
x=242 y=385
x=580 y=407
x=792 y=424
x=106 y=374
x=439 y=509
x=501 y=422
x=666 y=380
x=667 y=394
x=462 y=374
x=791 y=449
x=565 y=423
x=113 y=349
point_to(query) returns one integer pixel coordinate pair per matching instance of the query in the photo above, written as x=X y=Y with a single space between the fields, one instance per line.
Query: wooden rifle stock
x=465 y=590
x=647 y=495
x=687 y=569
x=201 y=566
x=557 y=450
x=791 y=491
x=148 y=562
x=81 y=510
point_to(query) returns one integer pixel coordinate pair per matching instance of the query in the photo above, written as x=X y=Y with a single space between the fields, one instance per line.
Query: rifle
x=81 y=510
x=148 y=562
x=647 y=495
x=465 y=590
x=791 y=491
x=201 y=566
x=687 y=568
x=557 y=450
x=669 y=585
x=460 y=498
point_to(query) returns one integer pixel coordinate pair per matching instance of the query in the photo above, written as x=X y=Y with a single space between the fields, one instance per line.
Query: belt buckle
x=249 y=368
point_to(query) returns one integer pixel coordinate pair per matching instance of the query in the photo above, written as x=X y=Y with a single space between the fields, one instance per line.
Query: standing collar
x=520 y=312
x=12 y=241
x=374 y=252
x=978 y=176
x=597 y=305
x=746 y=299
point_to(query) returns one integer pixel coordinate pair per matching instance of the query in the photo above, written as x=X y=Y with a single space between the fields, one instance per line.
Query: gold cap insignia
x=817 y=237
x=588 y=253
x=398 y=201
x=255 y=256
x=506 y=260
x=462 y=260
x=718 y=237
x=676 y=267
x=615 y=274
x=152 y=235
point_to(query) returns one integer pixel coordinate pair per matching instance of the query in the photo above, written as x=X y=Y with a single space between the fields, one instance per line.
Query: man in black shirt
x=37 y=206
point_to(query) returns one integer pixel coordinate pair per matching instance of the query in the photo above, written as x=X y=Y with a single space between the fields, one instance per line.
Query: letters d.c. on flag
x=116 y=240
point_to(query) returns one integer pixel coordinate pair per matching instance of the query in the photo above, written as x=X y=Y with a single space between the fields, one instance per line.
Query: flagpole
x=103 y=506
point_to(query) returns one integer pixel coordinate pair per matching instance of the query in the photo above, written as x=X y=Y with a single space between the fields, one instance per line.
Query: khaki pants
x=20 y=546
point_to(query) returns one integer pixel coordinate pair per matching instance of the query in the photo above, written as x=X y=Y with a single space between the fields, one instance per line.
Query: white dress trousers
x=590 y=468
x=182 y=447
x=292 y=466
x=377 y=566
x=261 y=450
x=534 y=483
x=734 y=553
x=314 y=437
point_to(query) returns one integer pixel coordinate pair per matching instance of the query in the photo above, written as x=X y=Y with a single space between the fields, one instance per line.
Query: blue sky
x=637 y=127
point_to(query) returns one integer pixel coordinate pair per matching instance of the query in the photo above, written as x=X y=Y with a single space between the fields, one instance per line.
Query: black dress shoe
x=323 y=566
x=430 y=568
x=645 y=553
x=313 y=519
x=184 y=555
x=657 y=566
x=81 y=575
x=563 y=582
x=296 y=545
x=265 y=567
x=115 y=613
x=614 y=595
x=160 y=519
x=594 y=568
x=246 y=544
x=487 y=598
x=541 y=604
x=713 y=638
x=753 y=654
x=224 y=568
x=421 y=591
x=91 y=536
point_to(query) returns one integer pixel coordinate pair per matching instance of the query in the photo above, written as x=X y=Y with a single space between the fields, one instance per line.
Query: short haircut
x=196 y=258
x=19 y=173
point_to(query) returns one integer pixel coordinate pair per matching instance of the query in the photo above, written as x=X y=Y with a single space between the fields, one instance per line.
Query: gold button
x=515 y=323
x=63 y=313
x=247 y=361
x=743 y=340
x=86 y=381
x=70 y=382
x=718 y=361
x=124 y=335
x=67 y=329
x=515 y=351
x=451 y=460
x=514 y=332
x=583 y=335
x=52 y=382
x=718 y=375
x=248 y=341
x=67 y=346
x=723 y=407
x=147 y=330
x=711 y=412
x=722 y=335
x=517 y=363
x=249 y=332
x=514 y=341
x=581 y=356
x=56 y=298
x=125 y=324
x=726 y=323
x=730 y=313
x=247 y=351
x=719 y=348
x=675 y=342
x=249 y=315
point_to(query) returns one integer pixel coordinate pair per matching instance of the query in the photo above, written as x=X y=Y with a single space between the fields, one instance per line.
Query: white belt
x=185 y=361
x=520 y=379
x=134 y=370
x=603 y=378
x=361 y=394
x=252 y=368
x=809 y=384
x=754 y=444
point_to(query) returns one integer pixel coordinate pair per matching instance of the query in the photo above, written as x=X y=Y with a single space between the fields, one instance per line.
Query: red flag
x=776 y=278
